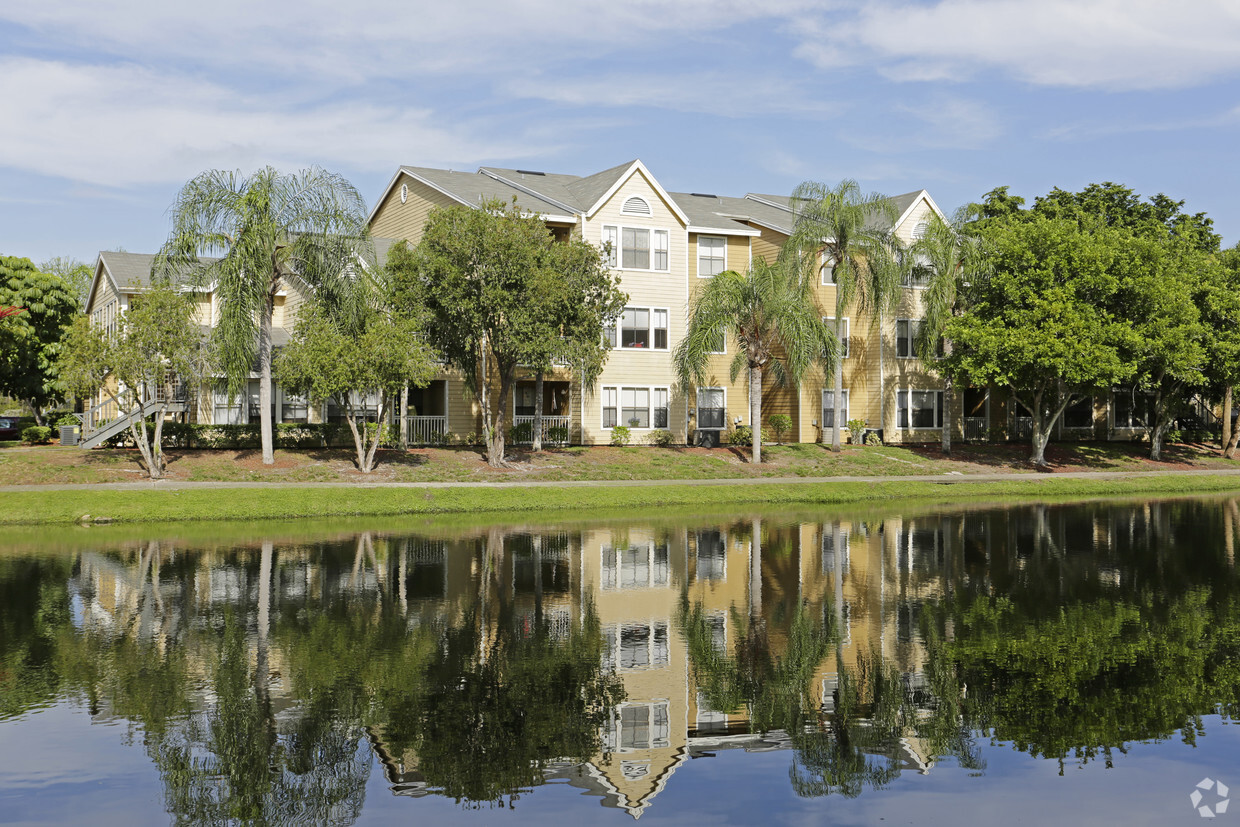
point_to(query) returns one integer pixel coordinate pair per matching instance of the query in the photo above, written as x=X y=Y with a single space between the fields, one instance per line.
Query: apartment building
x=664 y=245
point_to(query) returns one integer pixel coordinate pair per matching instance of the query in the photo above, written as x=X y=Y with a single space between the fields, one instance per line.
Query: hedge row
x=287 y=435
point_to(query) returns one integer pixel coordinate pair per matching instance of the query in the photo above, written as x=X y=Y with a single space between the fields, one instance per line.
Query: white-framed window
x=523 y=400
x=919 y=275
x=225 y=411
x=710 y=555
x=636 y=248
x=828 y=270
x=611 y=244
x=919 y=409
x=635 y=407
x=631 y=646
x=834 y=559
x=721 y=345
x=639 y=328
x=712 y=408
x=712 y=255
x=638 y=727
x=294 y=407
x=1130 y=408
x=843 y=333
x=907 y=331
x=828 y=408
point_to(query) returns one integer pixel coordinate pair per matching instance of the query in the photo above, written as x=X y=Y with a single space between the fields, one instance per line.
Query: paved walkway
x=943 y=479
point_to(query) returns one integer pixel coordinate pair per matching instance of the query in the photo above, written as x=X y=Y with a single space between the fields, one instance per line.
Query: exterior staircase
x=102 y=422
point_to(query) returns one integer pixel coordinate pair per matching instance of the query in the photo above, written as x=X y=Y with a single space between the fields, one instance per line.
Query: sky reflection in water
x=1045 y=663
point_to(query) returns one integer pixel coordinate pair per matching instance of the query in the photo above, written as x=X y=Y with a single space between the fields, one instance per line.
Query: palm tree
x=267 y=229
x=775 y=320
x=952 y=259
x=846 y=234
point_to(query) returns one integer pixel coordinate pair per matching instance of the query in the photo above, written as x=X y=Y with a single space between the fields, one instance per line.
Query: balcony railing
x=555 y=429
x=975 y=429
x=426 y=430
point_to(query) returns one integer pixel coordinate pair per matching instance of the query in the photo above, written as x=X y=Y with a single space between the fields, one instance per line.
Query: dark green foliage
x=30 y=341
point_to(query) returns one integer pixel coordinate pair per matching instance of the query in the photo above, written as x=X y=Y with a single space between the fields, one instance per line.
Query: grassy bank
x=69 y=506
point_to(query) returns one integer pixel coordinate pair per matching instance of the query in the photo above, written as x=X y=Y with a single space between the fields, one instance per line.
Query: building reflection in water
x=840 y=641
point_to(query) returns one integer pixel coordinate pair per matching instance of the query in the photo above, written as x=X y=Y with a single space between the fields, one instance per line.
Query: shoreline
x=164 y=501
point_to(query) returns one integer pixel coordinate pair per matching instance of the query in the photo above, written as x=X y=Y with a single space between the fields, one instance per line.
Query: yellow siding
x=646 y=368
x=405 y=221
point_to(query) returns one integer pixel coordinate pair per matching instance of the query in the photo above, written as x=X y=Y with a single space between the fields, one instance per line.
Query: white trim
x=619 y=388
x=701 y=236
x=937 y=426
x=528 y=191
x=650 y=329
x=650 y=179
x=620 y=228
x=749 y=196
x=697 y=398
x=822 y=409
x=846 y=338
x=912 y=338
x=739 y=231
x=904 y=215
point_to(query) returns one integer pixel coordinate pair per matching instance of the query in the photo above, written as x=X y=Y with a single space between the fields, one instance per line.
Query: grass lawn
x=70 y=506
x=53 y=465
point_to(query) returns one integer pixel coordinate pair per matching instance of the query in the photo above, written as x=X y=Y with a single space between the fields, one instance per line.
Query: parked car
x=8 y=428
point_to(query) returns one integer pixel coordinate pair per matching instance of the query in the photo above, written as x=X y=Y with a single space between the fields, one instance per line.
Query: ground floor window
x=919 y=409
x=294 y=407
x=1130 y=408
x=635 y=407
x=828 y=409
x=1079 y=414
x=525 y=400
x=226 y=411
x=711 y=408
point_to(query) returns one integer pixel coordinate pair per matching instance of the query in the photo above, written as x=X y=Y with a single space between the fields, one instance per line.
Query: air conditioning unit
x=703 y=438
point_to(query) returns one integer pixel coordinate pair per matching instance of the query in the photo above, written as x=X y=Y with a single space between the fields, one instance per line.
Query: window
x=636 y=330
x=611 y=244
x=637 y=567
x=907 y=331
x=828 y=270
x=843 y=333
x=919 y=409
x=711 y=556
x=1130 y=407
x=721 y=343
x=294 y=407
x=635 y=407
x=1079 y=414
x=226 y=411
x=632 y=408
x=610 y=396
x=711 y=409
x=635 y=249
x=660 y=407
x=636 y=327
x=834 y=559
x=609 y=333
x=712 y=255
x=828 y=409
x=523 y=400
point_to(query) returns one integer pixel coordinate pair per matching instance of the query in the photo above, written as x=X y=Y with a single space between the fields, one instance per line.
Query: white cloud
x=124 y=125
x=1109 y=44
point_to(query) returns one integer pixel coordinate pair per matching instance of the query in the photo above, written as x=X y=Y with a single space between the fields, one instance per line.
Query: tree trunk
x=755 y=571
x=838 y=399
x=264 y=378
x=947 y=416
x=496 y=445
x=262 y=676
x=1228 y=396
x=755 y=410
x=1230 y=450
x=1156 y=441
x=359 y=439
x=385 y=408
x=538 y=413
x=404 y=417
x=36 y=411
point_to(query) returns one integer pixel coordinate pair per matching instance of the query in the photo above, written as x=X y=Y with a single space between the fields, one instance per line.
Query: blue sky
x=109 y=107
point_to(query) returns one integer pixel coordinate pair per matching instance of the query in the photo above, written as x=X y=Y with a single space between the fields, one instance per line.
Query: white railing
x=426 y=430
x=557 y=426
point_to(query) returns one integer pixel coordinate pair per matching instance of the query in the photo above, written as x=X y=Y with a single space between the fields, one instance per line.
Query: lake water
x=1041 y=664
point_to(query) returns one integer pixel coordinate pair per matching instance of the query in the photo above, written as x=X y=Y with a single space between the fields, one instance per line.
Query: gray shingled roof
x=573 y=191
x=473 y=188
x=902 y=202
x=128 y=269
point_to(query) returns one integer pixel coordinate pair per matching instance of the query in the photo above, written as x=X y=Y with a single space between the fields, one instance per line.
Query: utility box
x=69 y=434
x=706 y=438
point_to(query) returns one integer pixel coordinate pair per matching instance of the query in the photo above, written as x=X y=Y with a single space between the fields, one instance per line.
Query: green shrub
x=661 y=437
x=523 y=433
x=743 y=435
x=558 y=435
x=67 y=418
x=781 y=424
x=872 y=438
x=620 y=435
x=37 y=435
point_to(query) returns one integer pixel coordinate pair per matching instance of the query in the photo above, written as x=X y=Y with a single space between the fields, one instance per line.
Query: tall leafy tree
x=952 y=258
x=31 y=339
x=1041 y=322
x=1220 y=304
x=776 y=322
x=846 y=233
x=268 y=229
x=78 y=274
x=328 y=360
x=155 y=346
x=494 y=283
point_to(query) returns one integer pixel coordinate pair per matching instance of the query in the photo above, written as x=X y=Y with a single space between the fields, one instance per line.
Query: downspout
x=882 y=392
